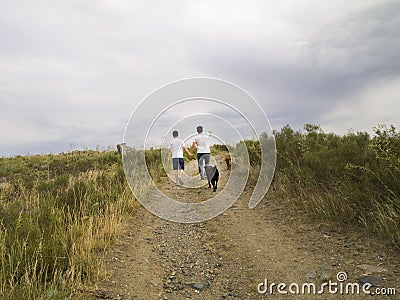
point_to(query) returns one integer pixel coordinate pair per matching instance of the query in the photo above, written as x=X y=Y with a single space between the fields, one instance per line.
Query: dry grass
x=55 y=228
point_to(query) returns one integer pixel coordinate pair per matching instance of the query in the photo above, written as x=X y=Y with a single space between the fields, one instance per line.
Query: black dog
x=212 y=176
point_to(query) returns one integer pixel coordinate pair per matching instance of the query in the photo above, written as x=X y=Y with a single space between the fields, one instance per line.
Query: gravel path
x=227 y=257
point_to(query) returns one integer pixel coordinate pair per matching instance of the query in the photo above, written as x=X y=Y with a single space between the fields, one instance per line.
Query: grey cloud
x=75 y=70
x=338 y=60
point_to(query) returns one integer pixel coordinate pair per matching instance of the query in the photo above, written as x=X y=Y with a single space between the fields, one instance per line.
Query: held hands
x=190 y=153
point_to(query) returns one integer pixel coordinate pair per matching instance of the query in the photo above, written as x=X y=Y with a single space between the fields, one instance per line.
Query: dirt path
x=227 y=257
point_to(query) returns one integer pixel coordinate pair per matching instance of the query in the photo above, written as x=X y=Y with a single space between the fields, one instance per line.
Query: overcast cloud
x=71 y=72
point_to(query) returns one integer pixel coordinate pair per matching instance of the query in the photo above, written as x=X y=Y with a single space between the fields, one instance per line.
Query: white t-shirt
x=202 y=141
x=176 y=146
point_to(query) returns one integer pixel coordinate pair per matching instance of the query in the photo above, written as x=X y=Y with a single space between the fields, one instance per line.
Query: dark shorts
x=178 y=163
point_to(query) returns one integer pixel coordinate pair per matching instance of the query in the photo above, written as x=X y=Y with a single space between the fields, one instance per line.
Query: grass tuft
x=58 y=216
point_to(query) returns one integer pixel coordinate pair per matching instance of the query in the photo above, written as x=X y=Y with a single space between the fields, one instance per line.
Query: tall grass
x=350 y=179
x=58 y=215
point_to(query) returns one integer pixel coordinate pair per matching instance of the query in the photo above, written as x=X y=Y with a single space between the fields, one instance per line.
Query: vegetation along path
x=244 y=254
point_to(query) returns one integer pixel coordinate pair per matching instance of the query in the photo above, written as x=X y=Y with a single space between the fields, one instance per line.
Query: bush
x=348 y=179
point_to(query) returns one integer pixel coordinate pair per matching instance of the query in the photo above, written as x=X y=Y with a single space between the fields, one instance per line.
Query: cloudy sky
x=72 y=72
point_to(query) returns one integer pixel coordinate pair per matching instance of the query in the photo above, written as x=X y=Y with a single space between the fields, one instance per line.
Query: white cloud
x=376 y=104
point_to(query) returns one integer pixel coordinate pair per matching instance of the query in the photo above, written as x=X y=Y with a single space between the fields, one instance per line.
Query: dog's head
x=210 y=171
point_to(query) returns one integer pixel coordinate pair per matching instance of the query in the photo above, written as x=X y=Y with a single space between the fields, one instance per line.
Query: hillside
x=228 y=256
x=71 y=228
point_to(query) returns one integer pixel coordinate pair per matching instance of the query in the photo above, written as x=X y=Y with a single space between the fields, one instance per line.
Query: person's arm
x=193 y=145
x=188 y=152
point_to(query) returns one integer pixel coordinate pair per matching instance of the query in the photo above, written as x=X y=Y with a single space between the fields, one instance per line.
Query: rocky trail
x=233 y=255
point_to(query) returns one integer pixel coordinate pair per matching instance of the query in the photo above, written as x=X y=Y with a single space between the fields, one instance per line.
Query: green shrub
x=351 y=178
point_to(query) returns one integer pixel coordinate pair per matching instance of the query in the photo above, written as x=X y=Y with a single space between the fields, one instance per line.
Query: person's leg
x=200 y=163
x=175 y=166
x=180 y=169
x=176 y=172
x=207 y=159
x=203 y=163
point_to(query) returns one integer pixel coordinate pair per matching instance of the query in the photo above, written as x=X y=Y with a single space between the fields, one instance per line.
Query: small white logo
x=341 y=276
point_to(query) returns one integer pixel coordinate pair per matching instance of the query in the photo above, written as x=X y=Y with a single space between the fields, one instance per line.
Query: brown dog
x=228 y=161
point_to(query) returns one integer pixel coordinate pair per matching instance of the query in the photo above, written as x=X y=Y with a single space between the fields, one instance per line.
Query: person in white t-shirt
x=201 y=140
x=175 y=151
